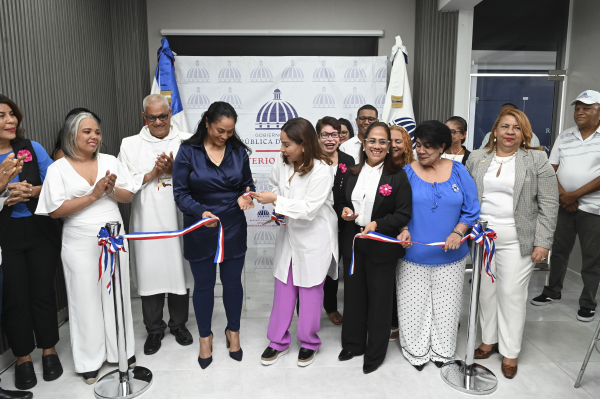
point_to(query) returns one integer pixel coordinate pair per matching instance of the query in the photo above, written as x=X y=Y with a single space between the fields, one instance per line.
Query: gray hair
x=69 y=134
x=155 y=99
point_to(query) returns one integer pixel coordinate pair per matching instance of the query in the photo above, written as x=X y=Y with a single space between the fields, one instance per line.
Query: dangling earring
x=494 y=139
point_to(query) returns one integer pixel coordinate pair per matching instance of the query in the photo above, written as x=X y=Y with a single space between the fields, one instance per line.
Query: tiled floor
x=553 y=350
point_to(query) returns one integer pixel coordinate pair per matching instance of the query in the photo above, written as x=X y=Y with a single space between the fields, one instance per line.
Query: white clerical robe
x=157 y=266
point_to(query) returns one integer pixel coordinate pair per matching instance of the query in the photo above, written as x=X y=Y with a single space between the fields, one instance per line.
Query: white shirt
x=64 y=183
x=310 y=238
x=364 y=193
x=535 y=142
x=497 y=201
x=579 y=164
x=352 y=147
x=153 y=209
x=453 y=157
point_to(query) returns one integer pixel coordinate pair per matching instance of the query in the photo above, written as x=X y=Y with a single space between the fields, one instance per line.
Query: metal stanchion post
x=587 y=355
x=467 y=376
x=123 y=382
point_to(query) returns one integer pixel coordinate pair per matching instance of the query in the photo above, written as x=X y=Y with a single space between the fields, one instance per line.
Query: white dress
x=91 y=308
x=310 y=238
x=153 y=209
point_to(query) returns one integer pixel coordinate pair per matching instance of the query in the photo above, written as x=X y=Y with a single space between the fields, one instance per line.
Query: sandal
x=335 y=317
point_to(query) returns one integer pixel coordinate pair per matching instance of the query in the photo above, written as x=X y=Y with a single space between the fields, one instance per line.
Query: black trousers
x=152 y=310
x=330 y=289
x=568 y=226
x=368 y=296
x=29 y=262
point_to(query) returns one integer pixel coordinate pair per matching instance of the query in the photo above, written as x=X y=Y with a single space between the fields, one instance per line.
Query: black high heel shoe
x=204 y=363
x=234 y=355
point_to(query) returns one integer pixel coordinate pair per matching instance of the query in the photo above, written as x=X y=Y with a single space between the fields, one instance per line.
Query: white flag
x=398 y=108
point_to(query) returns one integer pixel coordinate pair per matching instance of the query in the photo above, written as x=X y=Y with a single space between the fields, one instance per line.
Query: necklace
x=503 y=160
x=218 y=163
x=457 y=154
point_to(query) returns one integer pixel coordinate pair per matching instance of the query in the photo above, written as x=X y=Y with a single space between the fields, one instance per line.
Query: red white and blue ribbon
x=481 y=237
x=111 y=245
x=485 y=238
x=279 y=219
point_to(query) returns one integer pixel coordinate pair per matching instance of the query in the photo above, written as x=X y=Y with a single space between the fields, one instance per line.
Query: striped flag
x=398 y=108
x=165 y=83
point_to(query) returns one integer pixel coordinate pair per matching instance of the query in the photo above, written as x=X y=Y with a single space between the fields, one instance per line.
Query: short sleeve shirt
x=579 y=164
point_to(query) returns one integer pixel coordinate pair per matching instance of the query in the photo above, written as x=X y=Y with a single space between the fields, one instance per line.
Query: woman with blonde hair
x=401 y=146
x=518 y=192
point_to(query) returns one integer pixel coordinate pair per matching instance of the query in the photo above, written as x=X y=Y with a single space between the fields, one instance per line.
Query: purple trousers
x=309 y=320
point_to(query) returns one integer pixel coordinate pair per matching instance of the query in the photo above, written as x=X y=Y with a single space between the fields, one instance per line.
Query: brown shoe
x=394 y=334
x=481 y=354
x=509 y=371
x=335 y=317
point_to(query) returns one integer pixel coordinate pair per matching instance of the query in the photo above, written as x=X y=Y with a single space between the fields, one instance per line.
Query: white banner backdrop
x=267 y=91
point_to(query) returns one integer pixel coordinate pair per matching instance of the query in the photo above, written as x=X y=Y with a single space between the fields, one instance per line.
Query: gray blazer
x=535 y=195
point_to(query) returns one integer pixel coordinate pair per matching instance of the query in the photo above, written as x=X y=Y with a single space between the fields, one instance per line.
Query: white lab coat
x=91 y=308
x=310 y=238
x=157 y=266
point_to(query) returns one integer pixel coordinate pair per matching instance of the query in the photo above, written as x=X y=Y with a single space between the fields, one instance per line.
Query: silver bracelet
x=460 y=233
x=113 y=192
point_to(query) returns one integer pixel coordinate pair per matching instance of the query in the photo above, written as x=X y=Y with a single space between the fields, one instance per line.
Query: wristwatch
x=5 y=193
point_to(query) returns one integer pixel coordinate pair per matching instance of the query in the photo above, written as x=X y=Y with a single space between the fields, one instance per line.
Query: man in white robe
x=157 y=266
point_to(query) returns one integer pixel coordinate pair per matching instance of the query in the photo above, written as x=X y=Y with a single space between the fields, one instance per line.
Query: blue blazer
x=199 y=186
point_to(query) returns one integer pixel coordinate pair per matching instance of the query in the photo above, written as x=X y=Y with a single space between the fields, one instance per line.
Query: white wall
x=395 y=17
x=584 y=54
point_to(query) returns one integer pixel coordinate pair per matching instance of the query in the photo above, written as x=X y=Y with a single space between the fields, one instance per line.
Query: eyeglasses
x=367 y=118
x=332 y=135
x=153 y=118
x=344 y=133
x=453 y=132
x=373 y=141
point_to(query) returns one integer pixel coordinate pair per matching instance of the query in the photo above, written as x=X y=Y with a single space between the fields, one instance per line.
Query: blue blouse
x=199 y=186
x=437 y=209
x=20 y=210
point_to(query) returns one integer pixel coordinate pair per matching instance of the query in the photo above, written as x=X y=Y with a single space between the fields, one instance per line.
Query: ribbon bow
x=485 y=238
x=110 y=245
x=278 y=218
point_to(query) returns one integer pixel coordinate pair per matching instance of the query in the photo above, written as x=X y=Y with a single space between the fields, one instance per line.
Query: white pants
x=91 y=308
x=429 y=301
x=503 y=303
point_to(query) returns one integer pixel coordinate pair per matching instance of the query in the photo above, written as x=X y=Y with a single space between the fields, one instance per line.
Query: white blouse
x=309 y=240
x=452 y=157
x=364 y=193
x=497 y=199
x=64 y=183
